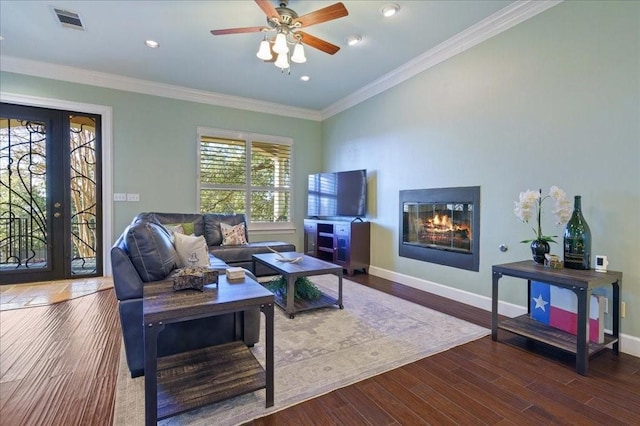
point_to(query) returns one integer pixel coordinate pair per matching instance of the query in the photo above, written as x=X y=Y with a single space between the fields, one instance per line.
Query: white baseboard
x=628 y=344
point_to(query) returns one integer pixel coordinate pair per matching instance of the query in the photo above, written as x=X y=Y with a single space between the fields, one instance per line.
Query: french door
x=50 y=194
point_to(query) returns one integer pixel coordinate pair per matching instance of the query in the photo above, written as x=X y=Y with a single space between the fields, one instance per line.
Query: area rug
x=321 y=351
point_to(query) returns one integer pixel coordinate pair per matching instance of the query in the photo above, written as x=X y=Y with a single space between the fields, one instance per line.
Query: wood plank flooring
x=59 y=363
x=58 y=366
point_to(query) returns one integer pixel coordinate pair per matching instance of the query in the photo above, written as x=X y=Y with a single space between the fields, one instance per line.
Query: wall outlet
x=133 y=197
x=623 y=309
x=119 y=196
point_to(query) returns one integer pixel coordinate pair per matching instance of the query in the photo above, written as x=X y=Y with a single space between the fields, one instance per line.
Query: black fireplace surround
x=441 y=225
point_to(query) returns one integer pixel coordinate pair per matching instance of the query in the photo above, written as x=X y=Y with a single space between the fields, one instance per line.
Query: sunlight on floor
x=46 y=293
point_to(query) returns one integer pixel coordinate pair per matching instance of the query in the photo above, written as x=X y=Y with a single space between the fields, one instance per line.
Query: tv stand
x=340 y=242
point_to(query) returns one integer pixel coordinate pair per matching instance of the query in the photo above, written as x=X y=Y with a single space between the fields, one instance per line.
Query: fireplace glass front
x=437 y=225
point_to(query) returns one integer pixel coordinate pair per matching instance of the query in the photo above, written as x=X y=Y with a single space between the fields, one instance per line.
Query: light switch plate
x=119 y=196
x=133 y=197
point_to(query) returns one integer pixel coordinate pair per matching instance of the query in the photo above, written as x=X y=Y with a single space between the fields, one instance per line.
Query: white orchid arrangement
x=530 y=203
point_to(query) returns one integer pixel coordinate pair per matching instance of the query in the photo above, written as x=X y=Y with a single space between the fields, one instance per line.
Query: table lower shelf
x=300 y=305
x=192 y=379
x=535 y=330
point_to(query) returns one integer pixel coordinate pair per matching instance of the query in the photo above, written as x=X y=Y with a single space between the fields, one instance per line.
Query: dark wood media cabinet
x=340 y=242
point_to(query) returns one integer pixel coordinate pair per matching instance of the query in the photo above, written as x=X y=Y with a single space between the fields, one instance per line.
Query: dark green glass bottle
x=577 y=239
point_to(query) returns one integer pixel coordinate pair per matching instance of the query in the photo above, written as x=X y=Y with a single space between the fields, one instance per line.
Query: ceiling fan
x=285 y=24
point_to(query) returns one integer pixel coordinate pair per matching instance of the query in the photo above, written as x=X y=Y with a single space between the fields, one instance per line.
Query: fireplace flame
x=443 y=223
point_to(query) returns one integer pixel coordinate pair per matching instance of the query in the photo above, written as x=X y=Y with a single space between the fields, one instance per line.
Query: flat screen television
x=337 y=194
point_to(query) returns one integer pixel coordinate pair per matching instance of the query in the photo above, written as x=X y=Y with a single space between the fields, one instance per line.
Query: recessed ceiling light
x=1 y=38
x=390 y=10
x=353 y=39
x=305 y=78
x=152 y=44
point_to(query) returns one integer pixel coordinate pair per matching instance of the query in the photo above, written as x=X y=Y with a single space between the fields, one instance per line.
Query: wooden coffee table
x=181 y=382
x=308 y=266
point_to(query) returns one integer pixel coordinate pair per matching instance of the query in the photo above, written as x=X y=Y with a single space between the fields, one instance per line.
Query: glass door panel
x=24 y=231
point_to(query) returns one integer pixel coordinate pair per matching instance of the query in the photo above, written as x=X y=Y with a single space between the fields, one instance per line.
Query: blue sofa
x=145 y=253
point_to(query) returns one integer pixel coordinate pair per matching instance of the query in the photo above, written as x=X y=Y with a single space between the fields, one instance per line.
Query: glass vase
x=538 y=249
x=577 y=239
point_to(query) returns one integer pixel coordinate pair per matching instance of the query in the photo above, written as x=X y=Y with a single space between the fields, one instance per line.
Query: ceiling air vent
x=69 y=19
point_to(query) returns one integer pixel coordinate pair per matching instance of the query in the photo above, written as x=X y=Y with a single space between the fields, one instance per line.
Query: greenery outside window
x=246 y=173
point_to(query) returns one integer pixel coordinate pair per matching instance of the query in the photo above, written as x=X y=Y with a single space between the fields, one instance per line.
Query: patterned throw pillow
x=186 y=228
x=174 y=228
x=233 y=235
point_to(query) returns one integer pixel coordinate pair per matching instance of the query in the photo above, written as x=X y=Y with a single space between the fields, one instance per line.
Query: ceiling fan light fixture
x=353 y=39
x=152 y=44
x=282 y=62
x=264 y=52
x=298 y=54
x=390 y=10
x=281 y=44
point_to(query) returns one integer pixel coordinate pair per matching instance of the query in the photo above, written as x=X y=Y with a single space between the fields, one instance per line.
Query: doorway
x=50 y=194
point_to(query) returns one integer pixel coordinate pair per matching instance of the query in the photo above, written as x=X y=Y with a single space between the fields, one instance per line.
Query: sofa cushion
x=186 y=245
x=233 y=235
x=151 y=250
x=212 y=229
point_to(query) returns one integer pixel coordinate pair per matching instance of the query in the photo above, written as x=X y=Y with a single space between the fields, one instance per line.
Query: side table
x=187 y=380
x=582 y=283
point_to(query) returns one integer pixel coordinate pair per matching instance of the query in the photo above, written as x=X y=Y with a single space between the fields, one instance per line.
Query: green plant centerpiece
x=304 y=288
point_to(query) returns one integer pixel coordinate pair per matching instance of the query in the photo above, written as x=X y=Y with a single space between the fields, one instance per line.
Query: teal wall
x=155 y=145
x=552 y=101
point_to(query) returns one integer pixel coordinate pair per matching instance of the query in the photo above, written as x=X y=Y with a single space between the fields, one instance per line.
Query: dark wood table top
x=307 y=265
x=162 y=303
x=528 y=269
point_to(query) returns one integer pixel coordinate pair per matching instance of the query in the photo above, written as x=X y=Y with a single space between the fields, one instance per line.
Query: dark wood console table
x=187 y=380
x=582 y=283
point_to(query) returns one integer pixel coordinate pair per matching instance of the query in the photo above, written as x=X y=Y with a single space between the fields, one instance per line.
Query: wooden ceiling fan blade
x=268 y=9
x=325 y=14
x=317 y=43
x=238 y=30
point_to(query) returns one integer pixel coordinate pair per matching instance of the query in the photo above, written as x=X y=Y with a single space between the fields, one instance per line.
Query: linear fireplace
x=441 y=226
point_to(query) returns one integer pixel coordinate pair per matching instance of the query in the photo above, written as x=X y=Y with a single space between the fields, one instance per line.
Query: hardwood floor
x=58 y=366
x=59 y=363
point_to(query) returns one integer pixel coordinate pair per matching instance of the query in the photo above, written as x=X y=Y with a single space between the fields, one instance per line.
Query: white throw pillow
x=186 y=245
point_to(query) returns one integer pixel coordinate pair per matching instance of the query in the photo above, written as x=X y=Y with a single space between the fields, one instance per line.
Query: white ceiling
x=190 y=57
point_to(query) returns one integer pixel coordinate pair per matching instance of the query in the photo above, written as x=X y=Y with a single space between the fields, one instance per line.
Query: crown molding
x=112 y=81
x=493 y=25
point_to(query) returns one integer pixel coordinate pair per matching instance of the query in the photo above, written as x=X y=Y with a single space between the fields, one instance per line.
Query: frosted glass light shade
x=264 y=52
x=282 y=61
x=281 y=44
x=298 y=54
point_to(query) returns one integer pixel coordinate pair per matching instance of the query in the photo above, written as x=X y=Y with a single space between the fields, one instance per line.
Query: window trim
x=248 y=137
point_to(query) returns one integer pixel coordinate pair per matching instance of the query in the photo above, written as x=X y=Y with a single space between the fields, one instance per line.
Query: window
x=246 y=173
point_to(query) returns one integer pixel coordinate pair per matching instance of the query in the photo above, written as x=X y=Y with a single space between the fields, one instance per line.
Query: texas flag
x=558 y=307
